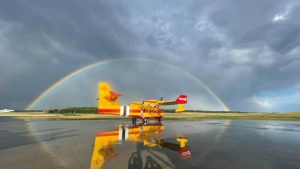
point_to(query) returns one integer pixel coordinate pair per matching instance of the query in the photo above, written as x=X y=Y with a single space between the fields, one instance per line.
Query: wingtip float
x=148 y=109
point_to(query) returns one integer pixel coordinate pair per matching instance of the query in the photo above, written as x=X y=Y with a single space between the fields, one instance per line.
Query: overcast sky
x=246 y=51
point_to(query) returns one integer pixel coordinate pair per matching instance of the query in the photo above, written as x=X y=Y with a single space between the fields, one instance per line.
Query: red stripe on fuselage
x=135 y=110
x=106 y=134
x=113 y=113
x=108 y=110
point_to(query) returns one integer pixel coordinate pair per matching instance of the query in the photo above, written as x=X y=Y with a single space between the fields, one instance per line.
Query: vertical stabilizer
x=108 y=99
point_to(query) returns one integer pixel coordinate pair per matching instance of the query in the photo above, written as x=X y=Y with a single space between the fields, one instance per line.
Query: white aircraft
x=6 y=111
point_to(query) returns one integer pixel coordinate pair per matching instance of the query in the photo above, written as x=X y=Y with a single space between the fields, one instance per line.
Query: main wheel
x=134 y=120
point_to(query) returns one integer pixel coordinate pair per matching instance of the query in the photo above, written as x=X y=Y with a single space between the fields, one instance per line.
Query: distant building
x=6 y=111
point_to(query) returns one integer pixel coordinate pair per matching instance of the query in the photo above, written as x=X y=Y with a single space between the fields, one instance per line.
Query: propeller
x=143 y=104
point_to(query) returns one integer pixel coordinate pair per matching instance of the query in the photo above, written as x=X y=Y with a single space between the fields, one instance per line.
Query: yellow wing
x=182 y=99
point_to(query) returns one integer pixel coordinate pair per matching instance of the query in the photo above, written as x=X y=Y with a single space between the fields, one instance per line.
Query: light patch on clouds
x=265 y=56
x=261 y=56
x=263 y=102
x=241 y=56
x=204 y=25
x=281 y=16
x=294 y=53
x=277 y=103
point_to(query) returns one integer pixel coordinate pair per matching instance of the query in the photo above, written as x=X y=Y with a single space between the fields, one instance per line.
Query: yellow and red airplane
x=149 y=135
x=148 y=109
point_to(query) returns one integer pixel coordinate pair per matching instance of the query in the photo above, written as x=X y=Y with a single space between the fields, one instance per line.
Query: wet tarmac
x=211 y=144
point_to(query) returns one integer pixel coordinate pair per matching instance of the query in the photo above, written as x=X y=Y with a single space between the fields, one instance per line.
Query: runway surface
x=211 y=144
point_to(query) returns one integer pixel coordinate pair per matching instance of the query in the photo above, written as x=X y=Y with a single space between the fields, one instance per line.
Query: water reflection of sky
x=209 y=143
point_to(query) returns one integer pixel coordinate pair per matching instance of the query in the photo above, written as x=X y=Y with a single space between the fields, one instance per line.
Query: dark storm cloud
x=89 y=28
x=239 y=48
x=43 y=41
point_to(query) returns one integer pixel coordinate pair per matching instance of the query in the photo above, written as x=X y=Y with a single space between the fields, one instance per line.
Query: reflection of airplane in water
x=147 y=109
x=147 y=136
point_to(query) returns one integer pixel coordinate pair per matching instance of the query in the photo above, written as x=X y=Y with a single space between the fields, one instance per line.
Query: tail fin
x=108 y=99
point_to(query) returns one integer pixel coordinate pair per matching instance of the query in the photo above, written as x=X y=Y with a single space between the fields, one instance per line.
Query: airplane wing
x=182 y=99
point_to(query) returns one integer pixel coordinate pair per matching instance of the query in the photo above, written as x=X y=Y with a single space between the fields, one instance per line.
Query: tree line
x=75 y=110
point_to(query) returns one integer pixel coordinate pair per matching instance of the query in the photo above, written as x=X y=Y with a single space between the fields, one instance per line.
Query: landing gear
x=144 y=120
x=134 y=120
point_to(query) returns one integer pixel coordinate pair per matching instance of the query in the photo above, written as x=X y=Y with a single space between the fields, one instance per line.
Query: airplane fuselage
x=140 y=110
x=147 y=109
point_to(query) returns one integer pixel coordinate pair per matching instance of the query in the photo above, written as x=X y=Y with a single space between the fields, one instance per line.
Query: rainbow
x=90 y=66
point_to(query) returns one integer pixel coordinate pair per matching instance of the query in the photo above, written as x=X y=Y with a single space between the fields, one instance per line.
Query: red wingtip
x=182 y=99
x=185 y=153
